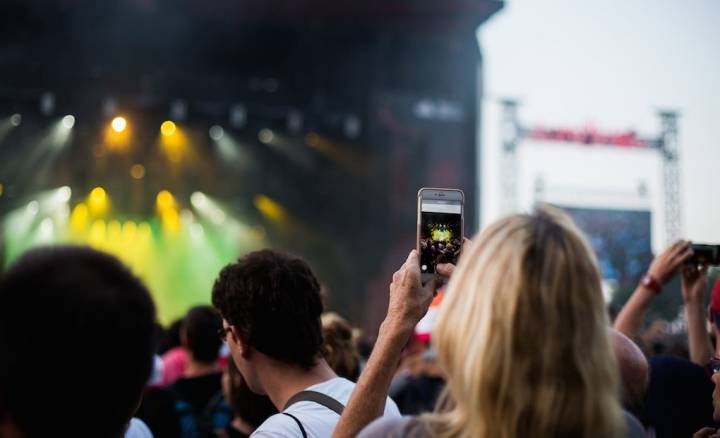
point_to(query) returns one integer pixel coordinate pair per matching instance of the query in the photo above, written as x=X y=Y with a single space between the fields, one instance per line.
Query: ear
x=240 y=342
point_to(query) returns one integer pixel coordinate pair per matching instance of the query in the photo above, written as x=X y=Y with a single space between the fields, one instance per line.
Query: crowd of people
x=522 y=345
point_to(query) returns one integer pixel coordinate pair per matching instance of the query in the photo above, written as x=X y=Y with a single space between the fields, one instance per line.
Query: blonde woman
x=522 y=335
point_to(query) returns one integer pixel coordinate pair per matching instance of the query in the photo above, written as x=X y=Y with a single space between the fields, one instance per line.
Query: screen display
x=440 y=233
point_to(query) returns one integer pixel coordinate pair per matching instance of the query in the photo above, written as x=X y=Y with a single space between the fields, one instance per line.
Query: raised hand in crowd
x=662 y=269
x=409 y=301
x=694 y=284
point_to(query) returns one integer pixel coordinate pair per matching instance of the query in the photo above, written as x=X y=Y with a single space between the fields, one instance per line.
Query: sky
x=612 y=64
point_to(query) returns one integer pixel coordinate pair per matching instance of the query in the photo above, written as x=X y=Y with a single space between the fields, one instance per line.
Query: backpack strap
x=317 y=397
x=302 y=429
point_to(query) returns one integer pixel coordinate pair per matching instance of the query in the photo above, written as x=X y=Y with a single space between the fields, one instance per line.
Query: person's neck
x=240 y=425
x=282 y=381
x=197 y=369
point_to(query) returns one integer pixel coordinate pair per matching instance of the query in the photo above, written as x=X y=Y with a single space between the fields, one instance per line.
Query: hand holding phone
x=440 y=228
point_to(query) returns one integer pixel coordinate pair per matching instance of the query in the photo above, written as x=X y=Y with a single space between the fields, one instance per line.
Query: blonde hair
x=339 y=346
x=523 y=336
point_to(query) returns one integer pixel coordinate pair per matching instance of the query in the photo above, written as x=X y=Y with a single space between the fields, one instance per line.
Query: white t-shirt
x=317 y=420
x=138 y=429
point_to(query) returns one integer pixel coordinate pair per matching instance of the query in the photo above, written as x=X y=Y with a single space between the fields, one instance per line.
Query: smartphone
x=705 y=255
x=440 y=222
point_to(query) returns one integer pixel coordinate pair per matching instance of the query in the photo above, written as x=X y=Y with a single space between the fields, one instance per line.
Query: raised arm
x=662 y=269
x=694 y=284
x=409 y=301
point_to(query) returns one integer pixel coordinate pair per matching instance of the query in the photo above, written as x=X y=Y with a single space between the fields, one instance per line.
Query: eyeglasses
x=222 y=333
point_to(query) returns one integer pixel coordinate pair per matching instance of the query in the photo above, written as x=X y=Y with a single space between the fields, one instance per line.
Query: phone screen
x=440 y=233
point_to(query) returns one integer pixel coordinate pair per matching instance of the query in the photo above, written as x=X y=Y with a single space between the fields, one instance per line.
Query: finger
x=445 y=269
x=684 y=255
x=705 y=432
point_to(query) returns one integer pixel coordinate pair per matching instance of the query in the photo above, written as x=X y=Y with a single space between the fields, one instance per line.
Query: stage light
x=137 y=171
x=45 y=233
x=79 y=217
x=266 y=136
x=165 y=200
x=98 y=201
x=198 y=200
x=196 y=231
x=68 y=121
x=98 y=195
x=216 y=132
x=118 y=124
x=64 y=193
x=270 y=208
x=15 y=119
x=32 y=208
x=168 y=128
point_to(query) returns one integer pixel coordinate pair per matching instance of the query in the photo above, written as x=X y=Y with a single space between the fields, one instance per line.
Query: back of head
x=522 y=334
x=76 y=342
x=340 y=350
x=273 y=300
x=634 y=371
x=201 y=326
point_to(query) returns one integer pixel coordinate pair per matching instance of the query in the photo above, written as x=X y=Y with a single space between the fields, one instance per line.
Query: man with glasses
x=271 y=306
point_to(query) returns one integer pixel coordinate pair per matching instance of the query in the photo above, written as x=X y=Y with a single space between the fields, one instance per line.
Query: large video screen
x=621 y=239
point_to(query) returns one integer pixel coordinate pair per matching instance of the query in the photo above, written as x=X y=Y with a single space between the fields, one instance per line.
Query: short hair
x=76 y=342
x=201 y=325
x=273 y=300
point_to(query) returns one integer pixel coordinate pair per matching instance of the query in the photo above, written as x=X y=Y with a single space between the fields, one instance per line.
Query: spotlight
x=216 y=132
x=137 y=171
x=15 y=119
x=68 y=121
x=118 y=124
x=97 y=195
x=64 y=193
x=32 y=208
x=266 y=136
x=168 y=128
x=165 y=200
x=198 y=200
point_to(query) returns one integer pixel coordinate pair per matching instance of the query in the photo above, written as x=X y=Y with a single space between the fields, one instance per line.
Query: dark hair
x=273 y=300
x=76 y=342
x=201 y=325
x=253 y=408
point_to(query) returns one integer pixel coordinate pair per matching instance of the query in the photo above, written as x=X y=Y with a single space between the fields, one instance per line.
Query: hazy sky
x=612 y=63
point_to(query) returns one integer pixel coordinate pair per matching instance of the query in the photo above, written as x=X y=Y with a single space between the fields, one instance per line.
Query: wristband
x=650 y=283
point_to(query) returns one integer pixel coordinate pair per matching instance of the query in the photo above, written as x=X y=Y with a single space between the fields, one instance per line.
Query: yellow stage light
x=137 y=171
x=270 y=208
x=79 y=217
x=98 y=201
x=165 y=200
x=167 y=128
x=118 y=124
